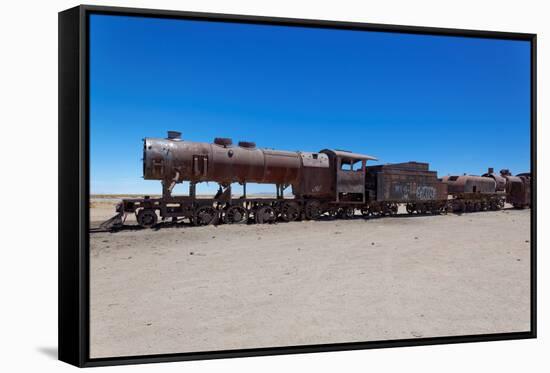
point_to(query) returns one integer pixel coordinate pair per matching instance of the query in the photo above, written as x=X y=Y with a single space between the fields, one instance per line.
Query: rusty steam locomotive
x=332 y=183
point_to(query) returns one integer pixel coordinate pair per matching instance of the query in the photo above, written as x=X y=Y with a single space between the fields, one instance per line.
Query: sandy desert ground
x=188 y=289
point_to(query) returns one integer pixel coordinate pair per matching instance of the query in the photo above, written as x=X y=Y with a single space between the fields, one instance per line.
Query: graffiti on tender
x=425 y=192
x=402 y=190
x=407 y=191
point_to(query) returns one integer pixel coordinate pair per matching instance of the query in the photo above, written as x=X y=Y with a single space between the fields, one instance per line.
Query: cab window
x=350 y=165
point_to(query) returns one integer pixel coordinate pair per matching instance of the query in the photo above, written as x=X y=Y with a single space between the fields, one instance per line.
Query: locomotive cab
x=349 y=175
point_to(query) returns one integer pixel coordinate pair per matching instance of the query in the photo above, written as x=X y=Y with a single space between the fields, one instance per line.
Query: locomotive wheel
x=389 y=209
x=410 y=208
x=421 y=208
x=290 y=211
x=365 y=212
x=265 y=214
x=374 y=210
x=205 y=215
x=430 y=208
x=348 y=212
x=147 y=218
x=332 y=212
x=313 y=210
x=235 y=215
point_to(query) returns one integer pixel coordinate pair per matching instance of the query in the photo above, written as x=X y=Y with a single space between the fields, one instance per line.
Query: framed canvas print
x=239 y=186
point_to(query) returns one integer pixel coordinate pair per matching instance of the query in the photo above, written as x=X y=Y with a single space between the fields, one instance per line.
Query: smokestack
x=491 y=170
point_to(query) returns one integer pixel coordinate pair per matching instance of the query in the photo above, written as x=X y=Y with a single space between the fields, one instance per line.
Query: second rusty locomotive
x=489 y=191
x=330 y=182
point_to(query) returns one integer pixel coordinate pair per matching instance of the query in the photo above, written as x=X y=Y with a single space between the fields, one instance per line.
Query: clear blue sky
x=461 y=104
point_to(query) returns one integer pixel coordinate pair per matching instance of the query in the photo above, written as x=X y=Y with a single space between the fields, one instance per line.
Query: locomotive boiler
x=174 y=160
x=474 y=193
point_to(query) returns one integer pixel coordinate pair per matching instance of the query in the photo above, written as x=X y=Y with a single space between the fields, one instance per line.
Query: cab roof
x=348 y=155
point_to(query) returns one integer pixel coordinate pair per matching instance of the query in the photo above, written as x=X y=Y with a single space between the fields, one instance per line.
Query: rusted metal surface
x=470 y=184
x=351 y=181
x=222 y=141
x=247 y=144
x=315 y=182
x=499 y=179
x=310 y=159
x=476 y=193
x=174 y=135
x=526 y=189
x=518 y=190
x=483 y=202
x=235 y=214
x=174 y=160
x=515 y=189
x=329 y=183
x=281 y=167
x=289 y=210
x=343 y=154
x=167 y=159
x=405 y=182
x=349 y=171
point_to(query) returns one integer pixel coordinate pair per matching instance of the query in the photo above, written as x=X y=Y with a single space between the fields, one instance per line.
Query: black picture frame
x=74 y=185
